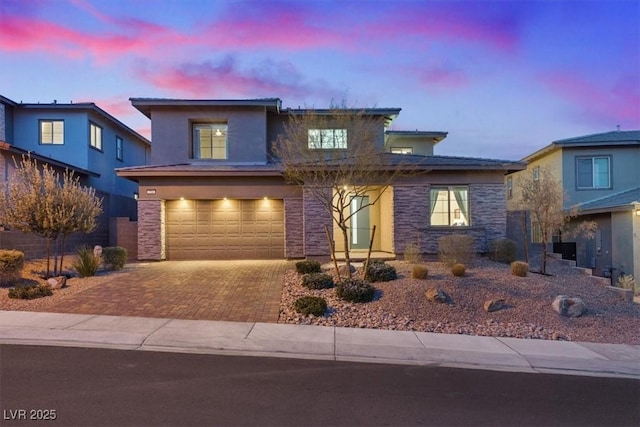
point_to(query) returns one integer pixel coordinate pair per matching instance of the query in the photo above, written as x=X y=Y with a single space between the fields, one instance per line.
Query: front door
x=360 y=222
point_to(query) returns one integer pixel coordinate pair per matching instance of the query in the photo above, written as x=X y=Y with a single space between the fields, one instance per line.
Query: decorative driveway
x=239 y=291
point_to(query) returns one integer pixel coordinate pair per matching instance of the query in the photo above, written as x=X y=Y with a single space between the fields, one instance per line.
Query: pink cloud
x=443 y=77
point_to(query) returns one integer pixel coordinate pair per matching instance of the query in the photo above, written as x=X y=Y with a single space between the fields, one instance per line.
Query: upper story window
x=210 y=141
x=119 y=149
x=593 y=172
x=52 y=132
x=327 y=139
x=536 y=173
x=95 y=136
x=509 y=187
x=399 y=150
x=450 y=206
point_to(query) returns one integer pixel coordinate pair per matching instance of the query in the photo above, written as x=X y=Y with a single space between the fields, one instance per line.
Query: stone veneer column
x=151 y=230
x=293 y=228
x=410 y=215
x=315 y=218
x=487 y=205
x=3 y=124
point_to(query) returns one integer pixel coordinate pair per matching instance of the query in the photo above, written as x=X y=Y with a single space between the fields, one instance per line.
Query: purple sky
x=504 y=78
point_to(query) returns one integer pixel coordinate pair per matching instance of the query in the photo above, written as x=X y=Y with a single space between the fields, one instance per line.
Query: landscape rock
x=97 y=251
x=57 y=282
x=568 y=307
x=343 y=270
x=493 y=305
x=436 y=295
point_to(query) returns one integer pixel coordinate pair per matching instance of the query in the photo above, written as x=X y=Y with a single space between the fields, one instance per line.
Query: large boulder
x=436 y=295
x=568 y=307
x=493 y=305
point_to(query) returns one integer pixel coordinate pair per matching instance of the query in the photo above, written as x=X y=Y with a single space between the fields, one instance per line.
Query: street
x=82 y=386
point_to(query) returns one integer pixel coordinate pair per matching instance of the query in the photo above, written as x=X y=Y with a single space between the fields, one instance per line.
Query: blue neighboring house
x=80 y=137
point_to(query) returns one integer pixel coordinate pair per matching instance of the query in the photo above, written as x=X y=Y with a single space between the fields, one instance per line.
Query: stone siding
x=3 y=124
x=293 y=228
x=488 y=210
x=410 y=216
x=316 y=217
x=151 y=230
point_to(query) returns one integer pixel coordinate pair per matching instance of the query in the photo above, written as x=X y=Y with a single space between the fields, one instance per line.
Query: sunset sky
x=504 y=78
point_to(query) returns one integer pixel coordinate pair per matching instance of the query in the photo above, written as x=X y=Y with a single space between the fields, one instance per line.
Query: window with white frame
x=327 y=139
x=52 y=132
x=536 y=173
x=400 y=150
x=450 y=206
x=593 y=172
x=95 y=136
x=119 y=149
x=210 y=141
x=509 y=187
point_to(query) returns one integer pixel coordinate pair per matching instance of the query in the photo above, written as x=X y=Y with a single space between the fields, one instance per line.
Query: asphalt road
x=82 y=387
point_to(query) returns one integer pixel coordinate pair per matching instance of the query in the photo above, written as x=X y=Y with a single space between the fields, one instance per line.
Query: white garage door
x=224 y=229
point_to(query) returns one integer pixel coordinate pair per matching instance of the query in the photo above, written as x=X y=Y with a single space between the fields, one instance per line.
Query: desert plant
x=308 y=266
x=30 y=292
x=86 y=263
x=11 y=264
x=380 y=272
x=626 y=281
x=420 y=272
x=412 y=253
x=458 y=270
x=354 y=290
x=311 y=305
x=114 y=257
x=519 y=268
x=317 y=281
x=502 y=250
x=456 y=249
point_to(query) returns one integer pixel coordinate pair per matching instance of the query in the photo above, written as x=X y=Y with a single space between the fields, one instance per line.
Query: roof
x=454 y=162
x=400 y=134
x=144 y=105
x=620 y=138
x=389 y=114
x=5 y=146
x=619 y=201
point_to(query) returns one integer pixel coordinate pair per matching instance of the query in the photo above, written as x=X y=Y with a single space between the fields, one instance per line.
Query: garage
x=224 y=229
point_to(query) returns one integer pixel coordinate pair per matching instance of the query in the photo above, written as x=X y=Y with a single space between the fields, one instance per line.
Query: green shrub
x=308 y=266
x=412 y=253
x=317 y=281
x=114 y=257
x=420 y=272
x=354 y=290
x=30 y=292
x=85 y=262
x=456 y=249
x=502 y=250
x=519 y=268
x=458 y=270
x=380 y=272
x=310 y=305
x=11 y=265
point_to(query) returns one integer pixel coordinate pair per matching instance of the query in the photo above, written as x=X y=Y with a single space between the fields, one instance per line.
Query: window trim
x=40 y=133
x=196 y=149
x=328 y=131
x=119 y=148
x=449 y=189
x=93 y=126
x=593 y=175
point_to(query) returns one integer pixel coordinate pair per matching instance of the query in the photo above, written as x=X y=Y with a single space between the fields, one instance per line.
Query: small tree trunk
x=544 y=252
x=48 y=256
x=366 y=264
x=332 y=248
x=64 y=241
x=347 y=258
x=525 y=237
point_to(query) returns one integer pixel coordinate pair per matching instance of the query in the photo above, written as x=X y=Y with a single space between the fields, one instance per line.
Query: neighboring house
x=601 y=176
x=80 y=137
x=212 y=189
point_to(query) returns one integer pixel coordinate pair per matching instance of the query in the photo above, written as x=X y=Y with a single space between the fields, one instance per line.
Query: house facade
x=600 y=174
x=214 y=190
x=80 y=137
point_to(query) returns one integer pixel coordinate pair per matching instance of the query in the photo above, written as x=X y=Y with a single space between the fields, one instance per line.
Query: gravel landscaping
x=401 y=304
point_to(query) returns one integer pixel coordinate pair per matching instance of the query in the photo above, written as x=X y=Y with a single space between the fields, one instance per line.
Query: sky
x=503 y=78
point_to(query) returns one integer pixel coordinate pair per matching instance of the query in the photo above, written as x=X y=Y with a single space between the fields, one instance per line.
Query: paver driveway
x=240 y=291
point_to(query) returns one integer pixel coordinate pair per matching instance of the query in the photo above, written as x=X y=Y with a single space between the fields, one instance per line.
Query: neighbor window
x=52 y=132
x=119 y=155
x=95 y=132
x=210 y=141
x=536 y=173
x=509 y=187
x=593 y=172
x=327 y=139
x=398 y=150
x=450 y=206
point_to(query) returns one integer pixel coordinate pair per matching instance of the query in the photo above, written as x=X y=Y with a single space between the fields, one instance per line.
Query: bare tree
x=337 y=155
x=544 y=198
x=36 y=200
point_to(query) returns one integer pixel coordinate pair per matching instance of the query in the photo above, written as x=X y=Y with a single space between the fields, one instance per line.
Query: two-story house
x=213 y=189
x=80 y=137
x=600 y=174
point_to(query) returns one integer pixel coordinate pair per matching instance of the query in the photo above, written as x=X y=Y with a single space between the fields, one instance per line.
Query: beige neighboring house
x=212 y=188
x=601 y=176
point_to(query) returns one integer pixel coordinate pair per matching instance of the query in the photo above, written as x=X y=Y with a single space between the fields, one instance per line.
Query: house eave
x=5 y=146
x=145 y=105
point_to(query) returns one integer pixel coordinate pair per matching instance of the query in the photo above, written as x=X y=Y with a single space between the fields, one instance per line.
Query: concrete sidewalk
x=319 y=342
